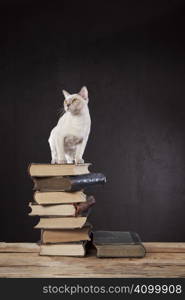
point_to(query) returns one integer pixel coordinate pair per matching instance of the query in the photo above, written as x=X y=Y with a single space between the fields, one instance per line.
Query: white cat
x=69 y=137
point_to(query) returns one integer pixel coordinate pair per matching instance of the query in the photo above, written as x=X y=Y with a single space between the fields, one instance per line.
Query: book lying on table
x=118 y=244
x=44 y=170
x=45 y=198
x=68 y=249
x=67 y=183
x=68 y=235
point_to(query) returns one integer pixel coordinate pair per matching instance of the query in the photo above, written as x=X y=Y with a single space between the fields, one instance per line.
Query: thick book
x=52 y=210
x=118 y=244
x=68 y=249
x=45 y=198
x=76 y=209
x=61 y=223
x=68 y=183
x=45 y=170
x=49 y=236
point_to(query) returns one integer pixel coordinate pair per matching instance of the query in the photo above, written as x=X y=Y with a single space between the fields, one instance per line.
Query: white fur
x=71 y=124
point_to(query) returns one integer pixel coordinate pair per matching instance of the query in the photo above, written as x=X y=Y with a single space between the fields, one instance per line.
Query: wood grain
x=19 y=247
x=152 y=247
x=165 y=247
x=23 y=260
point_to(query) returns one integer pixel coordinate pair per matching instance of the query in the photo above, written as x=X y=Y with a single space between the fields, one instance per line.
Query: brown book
x=71 y=249
x=118 y=244
x=67 y=183
x=61 y=223
x=44 y=170
x=45 y=198
x=68 y=235
x=84 y=206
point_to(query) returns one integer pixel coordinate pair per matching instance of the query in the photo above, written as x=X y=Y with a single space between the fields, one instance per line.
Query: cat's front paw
x=63 y=162
x=53 y=161
x=79 y=161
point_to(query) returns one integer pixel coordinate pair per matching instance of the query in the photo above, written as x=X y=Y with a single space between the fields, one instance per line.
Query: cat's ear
x=84 y=93
x=66 y=94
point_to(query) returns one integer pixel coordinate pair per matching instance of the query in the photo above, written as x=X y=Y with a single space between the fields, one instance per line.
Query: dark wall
x=131 y=56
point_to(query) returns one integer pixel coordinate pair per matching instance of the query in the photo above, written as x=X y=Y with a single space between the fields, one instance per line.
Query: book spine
x=35 y=184
x=84 y=181
x=68 y=183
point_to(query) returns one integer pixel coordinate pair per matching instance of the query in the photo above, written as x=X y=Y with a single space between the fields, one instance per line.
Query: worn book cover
x=118 y=244
x=68 y=183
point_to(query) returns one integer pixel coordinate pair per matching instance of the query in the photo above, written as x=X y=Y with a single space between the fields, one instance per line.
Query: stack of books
x=63 y=207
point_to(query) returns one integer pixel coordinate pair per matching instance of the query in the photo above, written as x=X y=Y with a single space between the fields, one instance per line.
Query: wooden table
x=23 y=260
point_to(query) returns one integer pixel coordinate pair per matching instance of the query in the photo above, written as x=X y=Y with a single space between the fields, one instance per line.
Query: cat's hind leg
x=80 y=151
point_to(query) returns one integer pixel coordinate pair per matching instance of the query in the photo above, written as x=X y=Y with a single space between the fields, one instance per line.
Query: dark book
x=118 y=244
x=68 y=183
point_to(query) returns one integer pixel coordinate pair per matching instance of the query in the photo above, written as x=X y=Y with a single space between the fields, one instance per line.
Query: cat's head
x=75 y=103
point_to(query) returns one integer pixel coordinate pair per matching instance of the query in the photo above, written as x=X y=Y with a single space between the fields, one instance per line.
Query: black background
x=131 y=56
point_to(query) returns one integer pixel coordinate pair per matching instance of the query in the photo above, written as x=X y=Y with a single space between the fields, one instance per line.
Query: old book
x=75 y=209
x=67 y=235
x=52 y=210
x=68 y=183
x=118 y=244
x=84 y=206
x=45 y=198
x=73 y=249
x=44 y=170
x=61 y=223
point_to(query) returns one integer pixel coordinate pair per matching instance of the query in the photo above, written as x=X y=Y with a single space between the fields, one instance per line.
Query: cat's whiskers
x=61 y=111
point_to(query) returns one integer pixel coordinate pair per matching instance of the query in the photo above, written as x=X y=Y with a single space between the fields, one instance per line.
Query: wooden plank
x=152 y=247
x=136 y=272
x=33 y=265
x=33 y=259
x=19 y=247
x=126 y=270
x=164 y=247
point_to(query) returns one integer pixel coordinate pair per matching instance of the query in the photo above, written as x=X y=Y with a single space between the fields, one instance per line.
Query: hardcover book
x=52 y=210
x=118 y=244
x=68 y=183
x=61 y=223
x=66 y=235
x=66 y=249
x=74 y=209
x=45 y=198
x=45 y=170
